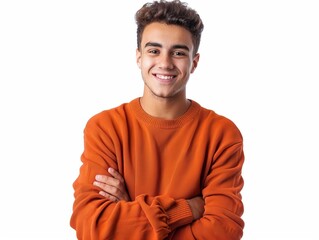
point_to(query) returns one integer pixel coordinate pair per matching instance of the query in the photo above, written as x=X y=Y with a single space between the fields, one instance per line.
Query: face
x=166 y=60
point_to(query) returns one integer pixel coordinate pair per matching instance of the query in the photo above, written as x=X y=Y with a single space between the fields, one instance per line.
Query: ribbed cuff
x=180 y=214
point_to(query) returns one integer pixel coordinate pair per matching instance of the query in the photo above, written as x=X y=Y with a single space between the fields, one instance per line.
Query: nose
x=166 y=61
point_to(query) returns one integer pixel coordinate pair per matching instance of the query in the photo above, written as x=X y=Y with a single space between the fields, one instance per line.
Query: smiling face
x=166 y=60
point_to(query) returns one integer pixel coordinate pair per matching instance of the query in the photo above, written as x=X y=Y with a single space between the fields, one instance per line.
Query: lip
x=165 y=78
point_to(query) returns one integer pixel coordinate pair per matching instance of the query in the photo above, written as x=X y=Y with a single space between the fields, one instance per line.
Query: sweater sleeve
x=95 y=217
x=223 y=202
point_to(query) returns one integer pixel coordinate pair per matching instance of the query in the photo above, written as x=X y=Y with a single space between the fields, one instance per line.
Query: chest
x=173 y=162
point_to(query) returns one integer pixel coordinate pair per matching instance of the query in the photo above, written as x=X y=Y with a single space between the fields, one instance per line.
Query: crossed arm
x=114 y=189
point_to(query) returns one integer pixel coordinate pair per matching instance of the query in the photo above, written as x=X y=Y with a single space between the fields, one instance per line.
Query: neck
x=165 y=108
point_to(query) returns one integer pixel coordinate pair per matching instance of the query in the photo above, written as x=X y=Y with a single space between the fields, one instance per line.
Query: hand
x=197 y=206
x=113 y=187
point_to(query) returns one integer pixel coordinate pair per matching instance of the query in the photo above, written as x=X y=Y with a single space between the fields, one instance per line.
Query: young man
x=161 y=166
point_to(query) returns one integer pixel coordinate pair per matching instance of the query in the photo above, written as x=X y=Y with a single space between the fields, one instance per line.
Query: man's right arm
x=96 y=217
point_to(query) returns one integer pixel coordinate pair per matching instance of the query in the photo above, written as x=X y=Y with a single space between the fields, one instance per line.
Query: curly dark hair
x=169 y=12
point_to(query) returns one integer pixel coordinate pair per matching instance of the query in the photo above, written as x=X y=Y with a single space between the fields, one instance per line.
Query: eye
x=153 y=51
x=179 y=53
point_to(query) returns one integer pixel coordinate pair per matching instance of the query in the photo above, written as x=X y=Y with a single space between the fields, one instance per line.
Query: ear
x=138 y=58
x=195 y=62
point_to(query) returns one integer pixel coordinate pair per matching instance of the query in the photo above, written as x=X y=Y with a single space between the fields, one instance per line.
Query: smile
x=164 y=77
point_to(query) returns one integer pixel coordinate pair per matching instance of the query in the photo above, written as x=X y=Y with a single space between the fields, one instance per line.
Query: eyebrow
x=176 y=46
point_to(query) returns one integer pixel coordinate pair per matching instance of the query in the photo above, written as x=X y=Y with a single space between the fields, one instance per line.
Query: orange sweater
x=163 y=162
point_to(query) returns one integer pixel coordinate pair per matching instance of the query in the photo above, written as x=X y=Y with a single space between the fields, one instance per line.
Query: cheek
x=146 y=64
x=186 y=68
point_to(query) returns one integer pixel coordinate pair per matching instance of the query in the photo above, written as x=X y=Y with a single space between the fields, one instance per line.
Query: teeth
x=164 y=77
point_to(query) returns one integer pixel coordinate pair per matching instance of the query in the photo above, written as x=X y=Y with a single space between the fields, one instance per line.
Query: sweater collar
x=141 y=115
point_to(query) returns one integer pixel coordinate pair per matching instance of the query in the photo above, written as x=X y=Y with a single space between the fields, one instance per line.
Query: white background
x=63 y=61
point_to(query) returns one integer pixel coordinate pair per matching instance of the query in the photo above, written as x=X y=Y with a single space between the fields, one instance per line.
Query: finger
x=109 y=196
x=108 y=180
x=116 y=174
x=111 y=190
x=121 y=185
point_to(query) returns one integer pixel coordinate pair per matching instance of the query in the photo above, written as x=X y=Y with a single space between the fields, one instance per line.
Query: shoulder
x=110 y=117
x=220 y=125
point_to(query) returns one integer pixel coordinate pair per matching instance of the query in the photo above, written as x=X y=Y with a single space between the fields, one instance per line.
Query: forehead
x=166 y=35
